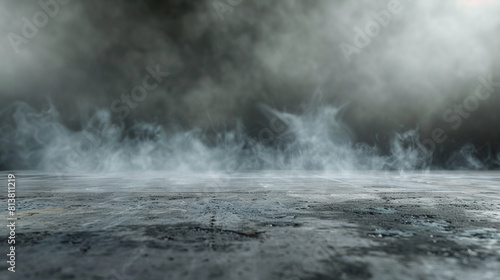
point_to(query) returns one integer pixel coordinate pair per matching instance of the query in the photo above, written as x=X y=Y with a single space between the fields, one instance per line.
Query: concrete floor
x=256 y=225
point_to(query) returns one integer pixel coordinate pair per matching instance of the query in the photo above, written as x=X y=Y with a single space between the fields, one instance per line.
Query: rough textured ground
x=256 y=225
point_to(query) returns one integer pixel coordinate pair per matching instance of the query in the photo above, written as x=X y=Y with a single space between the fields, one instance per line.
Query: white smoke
x=317 y=139
x=424 y=60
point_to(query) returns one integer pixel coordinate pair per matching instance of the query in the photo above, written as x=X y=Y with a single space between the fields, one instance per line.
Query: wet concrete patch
x=412 y=232
x=196 y=238
x=338 y=268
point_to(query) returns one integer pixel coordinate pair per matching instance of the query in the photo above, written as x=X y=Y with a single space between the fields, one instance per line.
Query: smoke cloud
x=200 y=85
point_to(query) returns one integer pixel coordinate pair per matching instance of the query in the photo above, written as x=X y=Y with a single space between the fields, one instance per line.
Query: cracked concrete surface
x=256 y=225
